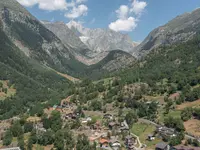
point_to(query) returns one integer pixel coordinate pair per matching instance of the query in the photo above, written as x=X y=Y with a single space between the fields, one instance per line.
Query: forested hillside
x=178 y=64
x=34 y=84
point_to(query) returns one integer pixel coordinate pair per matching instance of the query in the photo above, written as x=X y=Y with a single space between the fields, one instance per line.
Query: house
x=103 y=142
x=162 y=146
x=181 y=147
x=65 y=103
x=124 y=126
x=86 y=120
x=112 y=125
x=108 y=116
x=166 y=132
x=115 y=143
x=151 y=137
x=129 y=142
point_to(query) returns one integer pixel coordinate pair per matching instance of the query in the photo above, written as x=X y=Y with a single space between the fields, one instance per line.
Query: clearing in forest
x=188 y=104
x=6 y=90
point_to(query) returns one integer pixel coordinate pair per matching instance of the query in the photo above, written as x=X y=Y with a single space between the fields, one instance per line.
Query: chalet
x=129 y=142
x=181 y=147
x=65 y=103
x=115 y=143
x=86 y=120
x=112 y=125
x=108 y=116
x=166 y=132
x=70 y=116
x=162 y=146
x=103 y=142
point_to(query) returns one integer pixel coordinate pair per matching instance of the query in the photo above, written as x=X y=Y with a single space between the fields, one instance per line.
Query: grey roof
x=161 y=145
x=12 y=148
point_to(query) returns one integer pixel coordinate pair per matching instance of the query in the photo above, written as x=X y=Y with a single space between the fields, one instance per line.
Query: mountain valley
x=67 y=87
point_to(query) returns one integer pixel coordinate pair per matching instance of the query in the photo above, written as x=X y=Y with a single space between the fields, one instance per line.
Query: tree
x=7 y=140
x=69 y=141
x=186 y=114
x=56 y=122
x=59 y=140
x=82 y=143
x=20 y=140
x=47 y=138
x=30 y=143
x=131 y=117
x=28 y=127
x=16 y=129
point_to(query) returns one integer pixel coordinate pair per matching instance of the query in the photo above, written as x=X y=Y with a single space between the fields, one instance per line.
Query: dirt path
x=69 y=77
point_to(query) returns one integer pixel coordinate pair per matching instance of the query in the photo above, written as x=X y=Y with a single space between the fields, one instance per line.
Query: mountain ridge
x=180 y=29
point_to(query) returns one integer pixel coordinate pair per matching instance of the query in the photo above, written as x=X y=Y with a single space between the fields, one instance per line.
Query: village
x=107 y=130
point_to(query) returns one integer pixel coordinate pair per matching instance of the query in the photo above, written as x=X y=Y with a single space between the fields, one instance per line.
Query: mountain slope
x=178 y=30
x=34 y=83
x=100 y=40
x=37 y=42
x=178 y=63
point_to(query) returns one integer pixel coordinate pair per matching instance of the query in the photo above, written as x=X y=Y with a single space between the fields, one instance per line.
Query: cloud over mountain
x=128 y=16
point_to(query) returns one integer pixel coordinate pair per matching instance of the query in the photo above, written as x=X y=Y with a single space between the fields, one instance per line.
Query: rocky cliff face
x=32 y=38
x=101 y=40
x=180 y=29
x=67 y=36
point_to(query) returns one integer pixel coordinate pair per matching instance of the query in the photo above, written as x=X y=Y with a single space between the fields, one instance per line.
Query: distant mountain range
x=90 y=45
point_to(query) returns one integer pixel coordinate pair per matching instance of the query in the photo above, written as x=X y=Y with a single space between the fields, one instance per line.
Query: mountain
x=115 y=61
x=71 y=36
x=28 y=54
x=178 y=30
x=35 y=40
x=101 y=40
x=67 y=36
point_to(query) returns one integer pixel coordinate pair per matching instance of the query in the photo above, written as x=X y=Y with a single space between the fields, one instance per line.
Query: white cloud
x=28 y=3
x=122 y=12
x=128 y=16
x=80 y=1
x=45 y=4
x=123 y=24
x=78 y=11
x=138 y=7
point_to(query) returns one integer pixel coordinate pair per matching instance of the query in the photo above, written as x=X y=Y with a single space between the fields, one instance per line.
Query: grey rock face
x=32 y=37
x=100 y=40
x=67 y=36
x=180 y=29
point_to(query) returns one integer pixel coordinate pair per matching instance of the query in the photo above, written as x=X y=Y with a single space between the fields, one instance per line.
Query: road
x=138 y=139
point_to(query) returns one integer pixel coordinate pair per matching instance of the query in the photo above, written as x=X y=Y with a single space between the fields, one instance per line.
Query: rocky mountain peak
x=101 y=40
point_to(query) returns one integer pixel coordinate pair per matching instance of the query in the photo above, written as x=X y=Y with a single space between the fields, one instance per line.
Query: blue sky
x=134 y=17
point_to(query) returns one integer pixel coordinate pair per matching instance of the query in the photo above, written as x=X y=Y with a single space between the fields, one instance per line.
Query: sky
x=137 y=18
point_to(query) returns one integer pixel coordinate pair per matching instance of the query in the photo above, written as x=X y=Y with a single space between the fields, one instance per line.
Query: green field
x=142 y=130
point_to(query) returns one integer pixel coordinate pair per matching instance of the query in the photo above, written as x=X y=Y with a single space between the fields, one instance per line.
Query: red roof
x=103 y=141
